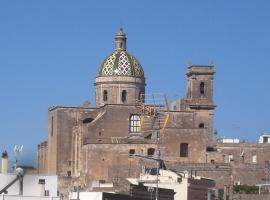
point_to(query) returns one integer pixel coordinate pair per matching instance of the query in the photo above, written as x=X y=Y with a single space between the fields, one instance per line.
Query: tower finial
x=120 y=40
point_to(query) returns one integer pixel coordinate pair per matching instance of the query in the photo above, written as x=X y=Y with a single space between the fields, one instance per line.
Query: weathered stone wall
x=60 y=134
x=114 y=121
x=225 y=174
x=251 y=197
x=109 y=162
x=249 y=174
x=195 y=138
x=240 y=153
x=221 y=173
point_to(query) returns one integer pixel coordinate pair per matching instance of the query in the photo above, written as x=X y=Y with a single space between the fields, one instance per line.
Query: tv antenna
x=17 y=152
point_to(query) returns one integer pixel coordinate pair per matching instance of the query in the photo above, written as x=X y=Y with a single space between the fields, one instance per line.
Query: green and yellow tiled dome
x=120 y=62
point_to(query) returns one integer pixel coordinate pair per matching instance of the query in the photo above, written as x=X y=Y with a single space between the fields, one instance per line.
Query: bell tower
x=200 y=86
x=199 y=97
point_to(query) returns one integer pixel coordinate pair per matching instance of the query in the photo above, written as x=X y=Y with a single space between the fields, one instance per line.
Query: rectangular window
x=254 y=158
x=69 y=173
x=230 y=157
x=183 y=150
x=135 y=124
x=131 y=152
x=265 y=140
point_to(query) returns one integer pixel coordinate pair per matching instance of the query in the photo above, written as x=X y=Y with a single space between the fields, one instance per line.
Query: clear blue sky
x=50 y=52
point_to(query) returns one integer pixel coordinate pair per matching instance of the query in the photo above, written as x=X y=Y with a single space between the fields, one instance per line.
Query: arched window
x=140 y=97
x=105 y=95
x=184 y=150
x=150 y=151
x=202 y=88
x=201 y=125
x=124 y=96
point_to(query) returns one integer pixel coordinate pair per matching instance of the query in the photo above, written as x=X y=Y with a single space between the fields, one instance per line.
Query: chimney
x=4 y=162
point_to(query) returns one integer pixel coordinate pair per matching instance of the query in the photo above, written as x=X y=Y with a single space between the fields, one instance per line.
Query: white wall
x=262 y=136
x=87 y=195
x=31 y=186
x=11 y=197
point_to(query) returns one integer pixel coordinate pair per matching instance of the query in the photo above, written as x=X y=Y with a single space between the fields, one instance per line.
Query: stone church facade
x=86 y=145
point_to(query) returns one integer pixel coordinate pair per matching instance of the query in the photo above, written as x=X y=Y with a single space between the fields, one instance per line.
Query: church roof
x=120 y=62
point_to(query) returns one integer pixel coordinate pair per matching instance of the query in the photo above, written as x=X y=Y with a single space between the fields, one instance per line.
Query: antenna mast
x=17 y=151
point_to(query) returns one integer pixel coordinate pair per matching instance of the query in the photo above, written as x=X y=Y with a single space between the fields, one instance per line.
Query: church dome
x=120 y=62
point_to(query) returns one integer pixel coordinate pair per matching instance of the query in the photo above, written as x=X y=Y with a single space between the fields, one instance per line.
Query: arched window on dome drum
x=141 y=97
x=105 y=95
x=124 y=96
x=202 y=88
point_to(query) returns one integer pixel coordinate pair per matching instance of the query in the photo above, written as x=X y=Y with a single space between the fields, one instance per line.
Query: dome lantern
x=120 y=40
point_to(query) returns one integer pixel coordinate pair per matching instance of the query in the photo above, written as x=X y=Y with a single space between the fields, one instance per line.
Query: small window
x=69 y=173
x=41 y=181
x=183 y=150
x=102 y=181
x=105 y=95
x=124 y=96
x=88 y=120
x=201 y=125
x=135 y=124
x=140 y=97
x=131 y=152
x=47 y=193
x=265 y=140
x=224 y=158
x=202 y=88
x=150 y=152
x=254 y=158
x=230 y=157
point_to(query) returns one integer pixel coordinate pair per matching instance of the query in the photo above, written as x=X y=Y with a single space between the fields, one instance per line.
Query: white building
x=35 y=187
x=184 y=186
x=264 y=138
